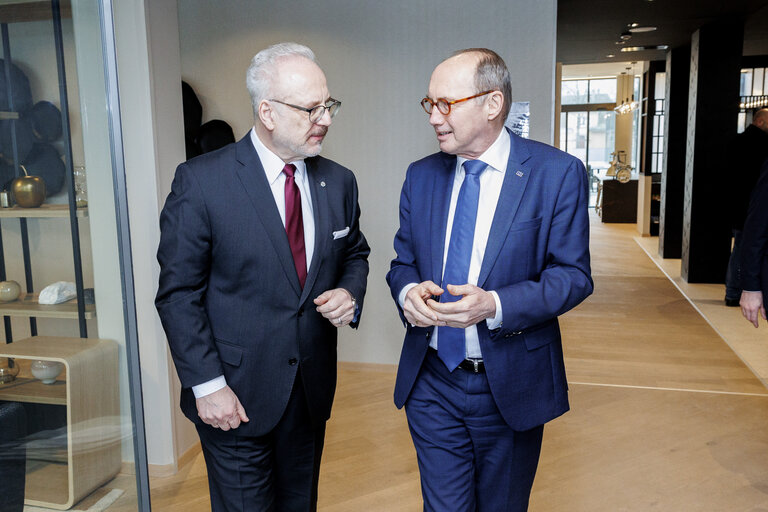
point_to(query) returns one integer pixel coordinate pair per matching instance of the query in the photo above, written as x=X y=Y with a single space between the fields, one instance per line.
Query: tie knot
x=289 y=170
x=474 y=167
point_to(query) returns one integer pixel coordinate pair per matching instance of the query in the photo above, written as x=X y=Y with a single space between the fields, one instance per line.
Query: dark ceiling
x=587 y=30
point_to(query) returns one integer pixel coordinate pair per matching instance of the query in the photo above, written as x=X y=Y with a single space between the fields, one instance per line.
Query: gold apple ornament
x=28 y=191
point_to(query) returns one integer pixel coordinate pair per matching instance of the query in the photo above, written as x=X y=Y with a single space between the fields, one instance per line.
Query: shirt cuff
x=496 y=321
x=206 y=388
x=356 y=314
x=403 y=292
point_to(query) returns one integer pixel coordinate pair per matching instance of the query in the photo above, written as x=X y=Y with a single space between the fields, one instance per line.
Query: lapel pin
x=322 y=183
x=519 y=174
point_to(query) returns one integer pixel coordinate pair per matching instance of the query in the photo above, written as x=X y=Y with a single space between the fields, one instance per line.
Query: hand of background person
x=751 y=304
x=221 y=409
x=415 y=306
x=337 y=306
x=475 y=306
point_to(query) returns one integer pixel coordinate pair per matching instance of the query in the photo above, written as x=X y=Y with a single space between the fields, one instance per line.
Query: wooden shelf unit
x=28 y=306
x=93 y=430
x=44 y=211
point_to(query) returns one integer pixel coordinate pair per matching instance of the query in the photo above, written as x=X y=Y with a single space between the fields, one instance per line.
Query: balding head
x=760 y=119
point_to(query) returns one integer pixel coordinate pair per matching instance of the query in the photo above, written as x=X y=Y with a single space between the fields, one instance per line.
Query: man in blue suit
x=492 y=248
x=261 y=262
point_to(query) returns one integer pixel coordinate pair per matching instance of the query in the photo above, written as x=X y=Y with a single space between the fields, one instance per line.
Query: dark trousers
x=469 y=458
x=276 y=472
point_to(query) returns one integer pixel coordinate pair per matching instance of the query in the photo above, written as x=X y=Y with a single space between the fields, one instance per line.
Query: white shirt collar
x=496 y=156
x=273 y=164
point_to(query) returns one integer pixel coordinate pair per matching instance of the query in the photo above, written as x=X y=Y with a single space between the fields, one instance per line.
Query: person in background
x=493 y=246
x=745 y=154
x=754 y=253
x=261 y=262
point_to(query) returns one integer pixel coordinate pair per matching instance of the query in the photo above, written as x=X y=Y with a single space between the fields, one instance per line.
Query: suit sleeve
x=354 y=274
x=403 y=270
x=754 y=241
x=184 y=255
x=566 y=279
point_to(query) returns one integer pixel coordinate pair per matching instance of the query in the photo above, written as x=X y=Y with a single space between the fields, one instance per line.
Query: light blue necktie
x=450 y=340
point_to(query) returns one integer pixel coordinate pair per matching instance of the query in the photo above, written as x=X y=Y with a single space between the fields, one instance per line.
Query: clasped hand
x=337 y=306
x=421 y=309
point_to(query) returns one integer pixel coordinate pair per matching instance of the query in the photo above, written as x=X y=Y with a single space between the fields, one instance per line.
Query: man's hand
x=476 y=305
x=415 y=306
x=751 y=303
x=221 y=409
x=337 y=306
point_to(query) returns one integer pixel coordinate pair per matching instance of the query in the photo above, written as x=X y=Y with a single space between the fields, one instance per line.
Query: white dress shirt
x=273 y=169
x=491 y=180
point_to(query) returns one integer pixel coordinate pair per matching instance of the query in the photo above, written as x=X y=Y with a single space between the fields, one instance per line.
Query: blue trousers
x=469 y=458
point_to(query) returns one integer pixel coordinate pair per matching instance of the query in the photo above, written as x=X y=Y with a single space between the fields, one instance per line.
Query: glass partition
x=71 y=434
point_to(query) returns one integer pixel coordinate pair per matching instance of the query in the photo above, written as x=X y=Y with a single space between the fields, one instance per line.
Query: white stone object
x=57 y=293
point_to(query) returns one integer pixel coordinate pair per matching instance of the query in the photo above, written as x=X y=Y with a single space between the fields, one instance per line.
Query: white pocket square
x=341 y=234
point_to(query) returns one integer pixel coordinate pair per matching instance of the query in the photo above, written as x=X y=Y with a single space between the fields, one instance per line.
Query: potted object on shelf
x=46 y=371
x=9 y=291
x=28 y=191
x=9 y=369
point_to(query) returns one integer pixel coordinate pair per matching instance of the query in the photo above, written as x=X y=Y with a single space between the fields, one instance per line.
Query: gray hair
x=491 y=75
x=258 y=78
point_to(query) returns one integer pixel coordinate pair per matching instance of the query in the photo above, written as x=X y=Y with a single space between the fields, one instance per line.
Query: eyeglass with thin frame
x=316 y=113
x=444 y=105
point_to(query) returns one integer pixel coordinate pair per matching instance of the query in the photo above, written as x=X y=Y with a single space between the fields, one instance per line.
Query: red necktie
x=294 y=223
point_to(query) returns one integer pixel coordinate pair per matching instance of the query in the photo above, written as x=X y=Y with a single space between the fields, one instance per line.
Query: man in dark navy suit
x=754 y=253
x=492 y=248
x=262 y=261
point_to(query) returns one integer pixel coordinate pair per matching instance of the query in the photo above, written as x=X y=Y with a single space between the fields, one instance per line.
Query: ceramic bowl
x=9 y=291
x=46 y=371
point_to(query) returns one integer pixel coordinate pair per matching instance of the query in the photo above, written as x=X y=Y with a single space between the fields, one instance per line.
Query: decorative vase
x=46 y=371
x=9 y=291
x=28 y=191
x=9 y=369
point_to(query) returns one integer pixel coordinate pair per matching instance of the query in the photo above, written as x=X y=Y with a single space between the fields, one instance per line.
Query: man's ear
x=495 y=105
x=266 y=115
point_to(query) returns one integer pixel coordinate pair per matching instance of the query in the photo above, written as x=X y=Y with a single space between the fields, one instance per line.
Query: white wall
x=378 y=57
x=150 y=95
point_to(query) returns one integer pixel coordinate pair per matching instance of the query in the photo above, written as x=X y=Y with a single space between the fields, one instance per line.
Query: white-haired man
x=262 y=260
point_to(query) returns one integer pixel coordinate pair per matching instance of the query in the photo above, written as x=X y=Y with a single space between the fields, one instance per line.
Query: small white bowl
x=46 y=371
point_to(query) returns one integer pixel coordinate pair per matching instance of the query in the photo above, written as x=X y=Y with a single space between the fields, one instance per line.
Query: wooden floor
x=665 y=414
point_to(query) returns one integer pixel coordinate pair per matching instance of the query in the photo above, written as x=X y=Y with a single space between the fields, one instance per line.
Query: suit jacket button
x=292 y=361
x=301 y=311
x=428 y=334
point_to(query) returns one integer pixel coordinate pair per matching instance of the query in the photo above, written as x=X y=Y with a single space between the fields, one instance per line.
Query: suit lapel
x=322 y=227
x=251 y=175
x=441 y=200
x=515 y=180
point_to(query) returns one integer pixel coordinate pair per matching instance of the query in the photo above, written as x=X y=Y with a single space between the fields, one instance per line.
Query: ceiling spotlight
x=639 y=30
x=621 y=42
x=633 y=25
x=610 y=55
x=625 y=36
x=644 y=48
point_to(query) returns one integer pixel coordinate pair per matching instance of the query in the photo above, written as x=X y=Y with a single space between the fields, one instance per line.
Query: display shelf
x=14 y=11
x=34 y=391
x=27 y=306
x=44 y=211
x=90 y=394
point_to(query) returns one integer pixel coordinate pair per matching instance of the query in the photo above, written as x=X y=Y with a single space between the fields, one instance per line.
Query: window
x=588 y=91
